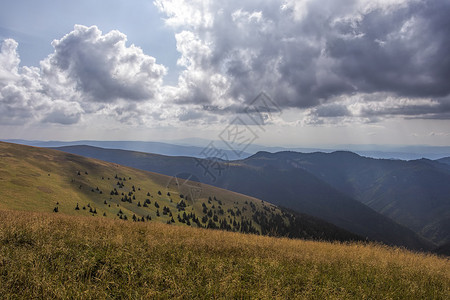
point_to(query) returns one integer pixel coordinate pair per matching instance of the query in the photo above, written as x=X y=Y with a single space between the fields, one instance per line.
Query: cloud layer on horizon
x=358 y=61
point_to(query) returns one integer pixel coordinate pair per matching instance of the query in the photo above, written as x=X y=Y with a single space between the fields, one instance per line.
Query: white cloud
x=103 y=68
x=63 y=112
x=88 y=73
x=20 y=95
x=352 y=61
x=9 y=61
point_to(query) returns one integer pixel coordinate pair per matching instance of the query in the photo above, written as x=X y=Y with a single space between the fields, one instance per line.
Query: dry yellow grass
x=56 y=256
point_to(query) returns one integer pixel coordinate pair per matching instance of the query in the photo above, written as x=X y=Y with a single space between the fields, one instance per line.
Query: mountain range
x=317 y=186
x=414 y=193
x=46 y=180
x=196 y=147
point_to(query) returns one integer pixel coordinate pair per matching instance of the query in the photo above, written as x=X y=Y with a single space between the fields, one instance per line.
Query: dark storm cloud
x=439 y=110
x=308 y=53
x=60 y=117
x=332 y=110
x=404 y=51
x=333 y=59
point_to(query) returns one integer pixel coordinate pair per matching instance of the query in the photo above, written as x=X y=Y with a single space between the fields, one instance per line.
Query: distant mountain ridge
x=414 y=193
x=195 y=147
x=291 y=187
x=148 y=147
x=444 y=160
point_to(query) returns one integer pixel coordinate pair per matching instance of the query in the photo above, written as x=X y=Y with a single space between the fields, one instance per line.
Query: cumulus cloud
x=63 y=112
x=88 y=73
x=307 y=54
x=9 y=61
x=103 y=67
x=19 y=87
x=356 y=60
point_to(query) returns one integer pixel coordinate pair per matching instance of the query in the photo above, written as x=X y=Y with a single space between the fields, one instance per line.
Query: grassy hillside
x=45 y=255
x=37 y=179
x=276 y=181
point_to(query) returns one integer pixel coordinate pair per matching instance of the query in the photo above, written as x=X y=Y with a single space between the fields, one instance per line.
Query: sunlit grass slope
x=47 y=255
x=44 y=180
x=37 y=179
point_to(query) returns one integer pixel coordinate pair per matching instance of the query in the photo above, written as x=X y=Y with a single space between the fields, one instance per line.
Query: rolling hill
x=290 y=187
x=45 y=180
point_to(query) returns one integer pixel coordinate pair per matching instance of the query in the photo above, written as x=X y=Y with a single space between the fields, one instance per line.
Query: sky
x=286 y=73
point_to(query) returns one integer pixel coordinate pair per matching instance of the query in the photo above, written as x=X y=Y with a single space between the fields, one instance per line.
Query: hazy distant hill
x=291 y=187
x=445 y=160
x=149 y=147
x=45 y=180
x=413 y=193
x=195 y=147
